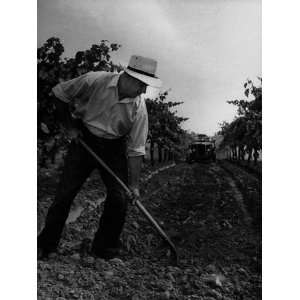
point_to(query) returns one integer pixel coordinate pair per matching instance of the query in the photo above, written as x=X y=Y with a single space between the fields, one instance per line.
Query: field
x=212 y=212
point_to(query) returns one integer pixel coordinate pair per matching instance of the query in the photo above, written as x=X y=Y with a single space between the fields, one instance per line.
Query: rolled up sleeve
x=139 y=131
x=76 y=88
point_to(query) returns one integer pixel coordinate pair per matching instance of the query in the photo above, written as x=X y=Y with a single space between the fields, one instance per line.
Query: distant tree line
x=164 y=124
x=243 y=136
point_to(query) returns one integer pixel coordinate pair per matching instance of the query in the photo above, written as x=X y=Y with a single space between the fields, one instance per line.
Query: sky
x=205 y=49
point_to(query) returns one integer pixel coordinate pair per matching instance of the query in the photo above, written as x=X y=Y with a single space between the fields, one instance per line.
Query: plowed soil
x=212 y=213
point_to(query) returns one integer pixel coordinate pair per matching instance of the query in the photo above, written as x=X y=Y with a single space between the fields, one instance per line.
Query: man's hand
x=134 y=164
x=135 y=194
x=69 y=125
x=73 y=134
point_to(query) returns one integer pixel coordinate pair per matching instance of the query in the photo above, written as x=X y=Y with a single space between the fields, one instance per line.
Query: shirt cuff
x=59 y=93
x=140 y=151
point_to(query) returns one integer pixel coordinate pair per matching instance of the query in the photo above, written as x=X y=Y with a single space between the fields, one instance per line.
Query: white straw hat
x=143 y=69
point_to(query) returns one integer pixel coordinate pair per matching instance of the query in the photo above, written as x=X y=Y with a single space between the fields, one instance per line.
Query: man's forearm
x=63 y=114
x=134 y=165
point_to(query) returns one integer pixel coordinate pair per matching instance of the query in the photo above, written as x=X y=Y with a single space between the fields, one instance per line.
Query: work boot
x=44 y=249
x=43 y=254
x=106 y=252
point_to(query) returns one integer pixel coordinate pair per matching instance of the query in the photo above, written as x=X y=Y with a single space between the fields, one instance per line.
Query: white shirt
x=95 y=98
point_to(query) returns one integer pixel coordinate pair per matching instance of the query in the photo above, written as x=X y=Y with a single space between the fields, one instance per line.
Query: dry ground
x=212 y=212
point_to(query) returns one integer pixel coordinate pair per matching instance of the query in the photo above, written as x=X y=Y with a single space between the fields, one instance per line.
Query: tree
x=244 y=133
x=48 y=69
x=52 y=69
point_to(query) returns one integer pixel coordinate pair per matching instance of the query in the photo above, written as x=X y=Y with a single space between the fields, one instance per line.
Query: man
x=114 y=123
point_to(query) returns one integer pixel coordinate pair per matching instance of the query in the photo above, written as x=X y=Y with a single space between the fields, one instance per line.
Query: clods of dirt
x=219 y=253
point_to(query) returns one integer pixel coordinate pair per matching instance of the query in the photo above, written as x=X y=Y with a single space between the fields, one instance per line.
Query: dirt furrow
x=236 y=193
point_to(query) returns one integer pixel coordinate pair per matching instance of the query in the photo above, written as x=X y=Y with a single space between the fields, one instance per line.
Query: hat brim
x=152 y=81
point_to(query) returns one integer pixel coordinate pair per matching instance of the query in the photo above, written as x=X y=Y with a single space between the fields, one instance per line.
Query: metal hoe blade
x=137 y=202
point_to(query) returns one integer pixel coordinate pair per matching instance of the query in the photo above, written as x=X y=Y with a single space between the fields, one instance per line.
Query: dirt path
x=206 y=214
x=236 y=193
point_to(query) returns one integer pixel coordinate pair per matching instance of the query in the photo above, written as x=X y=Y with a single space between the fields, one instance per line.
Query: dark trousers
x=77 y=167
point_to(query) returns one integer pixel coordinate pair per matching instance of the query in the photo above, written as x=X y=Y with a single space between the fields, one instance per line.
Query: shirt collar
x=114 y=82
x=129 y=100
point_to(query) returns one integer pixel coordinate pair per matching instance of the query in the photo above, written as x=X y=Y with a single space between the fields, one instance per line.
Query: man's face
x=134 y=87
